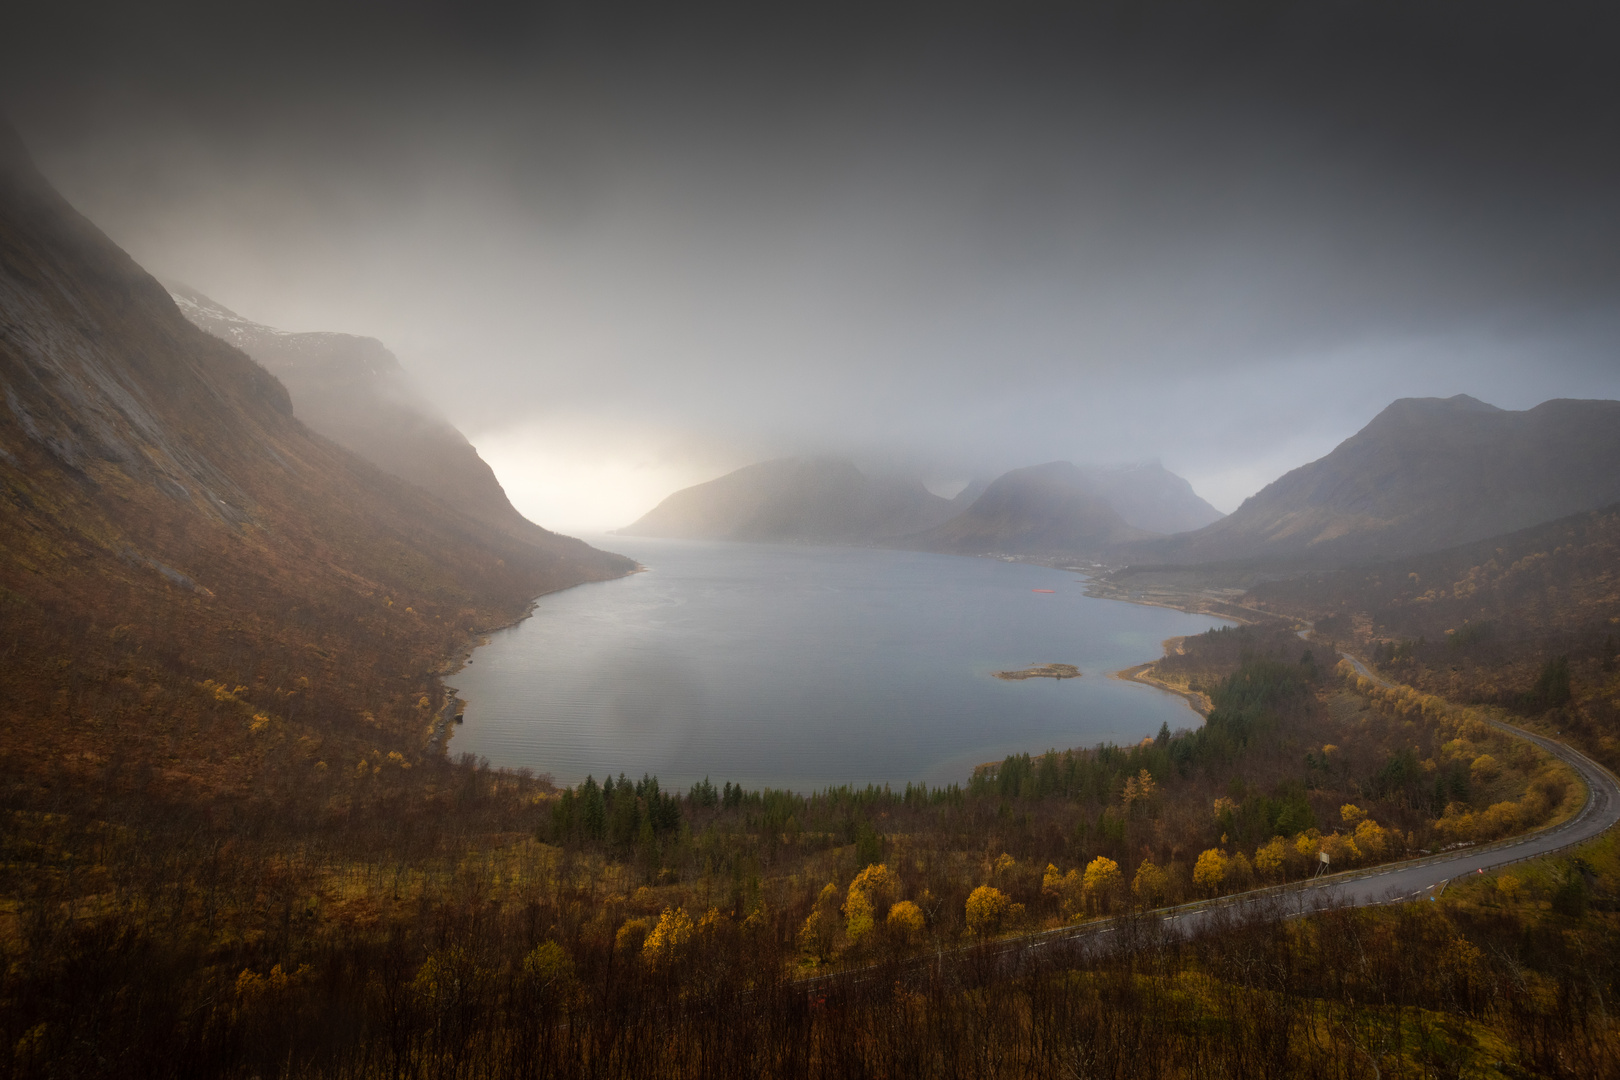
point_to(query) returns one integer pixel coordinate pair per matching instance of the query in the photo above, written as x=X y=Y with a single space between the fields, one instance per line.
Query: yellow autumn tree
x=815 y=939
x=1067 y=889
x=664 y=942
x=870 y=895
x=1102 y=881
x=1138 y=789
x=1373 y=840
x=1341 y=851
x=986 y=908
x=1150 y=885
x=632 y=935
x=906 y=921
x=1145 y=785
x=880 y=884
x=1210 y=871
x=857 y=915
x=1271 y=859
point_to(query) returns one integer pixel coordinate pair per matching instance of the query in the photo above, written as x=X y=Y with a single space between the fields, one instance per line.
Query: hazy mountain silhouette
x=353 y=390
x=1425 y=474
x=1151 y=497
x=796 y=500
x=970 y=494
x=1052 y=509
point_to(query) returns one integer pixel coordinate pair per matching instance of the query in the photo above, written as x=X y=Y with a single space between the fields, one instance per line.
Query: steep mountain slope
x=970 y=494
x=200 y=594
x=353 y=391
x=1425 y=474
x=796 y=500
x=1051 y=509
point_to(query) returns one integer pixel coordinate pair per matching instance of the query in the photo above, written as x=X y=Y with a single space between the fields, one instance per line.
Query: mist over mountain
x=1151 y=497
x=970 y=494
x=1425 y=474
x=796 y=500
x=352 y=390
x=952 y=236
x=169 y=525
x=1043 y=510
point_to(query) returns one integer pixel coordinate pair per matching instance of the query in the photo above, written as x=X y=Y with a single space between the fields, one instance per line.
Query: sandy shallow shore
x=1146 y=674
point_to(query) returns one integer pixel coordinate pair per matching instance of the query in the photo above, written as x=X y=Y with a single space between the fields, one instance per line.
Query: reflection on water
x=804 y=667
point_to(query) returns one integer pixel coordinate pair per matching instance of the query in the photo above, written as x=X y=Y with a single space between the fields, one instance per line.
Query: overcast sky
x=626 y=252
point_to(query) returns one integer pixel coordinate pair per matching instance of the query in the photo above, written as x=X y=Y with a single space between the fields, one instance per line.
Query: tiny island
x=1044 y=671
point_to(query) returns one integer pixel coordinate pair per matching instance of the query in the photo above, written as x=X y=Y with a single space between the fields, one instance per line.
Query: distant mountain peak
x=813 y=500
x=1454 y=403
x=198 y=308
x=1147 y=495
x=1049 y=509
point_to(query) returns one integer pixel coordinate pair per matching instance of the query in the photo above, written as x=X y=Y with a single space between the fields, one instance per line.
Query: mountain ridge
x=1046 y=510
x=1150 y=497
x=354 y=391
x=795 y=500
x=1422 y=475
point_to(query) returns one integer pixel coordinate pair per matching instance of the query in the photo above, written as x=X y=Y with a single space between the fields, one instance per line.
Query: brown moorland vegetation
x=200 y=597
x=460 y=920
x=232 y=846
x=1529 y=623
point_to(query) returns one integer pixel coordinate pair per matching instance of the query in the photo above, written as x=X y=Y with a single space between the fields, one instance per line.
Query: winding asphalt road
x=1412 y=879
x=1602 y=810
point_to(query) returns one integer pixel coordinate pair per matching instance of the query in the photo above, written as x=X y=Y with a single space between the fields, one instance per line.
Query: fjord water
x=804 y=667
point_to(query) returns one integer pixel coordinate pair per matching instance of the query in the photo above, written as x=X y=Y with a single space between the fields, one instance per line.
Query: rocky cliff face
x=353 y=390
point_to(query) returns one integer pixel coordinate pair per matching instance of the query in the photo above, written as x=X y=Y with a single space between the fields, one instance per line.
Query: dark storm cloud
x=950 y=237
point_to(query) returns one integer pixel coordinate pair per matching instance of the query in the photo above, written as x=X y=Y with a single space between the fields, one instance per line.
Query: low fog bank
x=626 y=251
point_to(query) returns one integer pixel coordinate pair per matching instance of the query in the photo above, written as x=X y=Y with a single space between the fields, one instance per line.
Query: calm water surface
x=805 y=667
